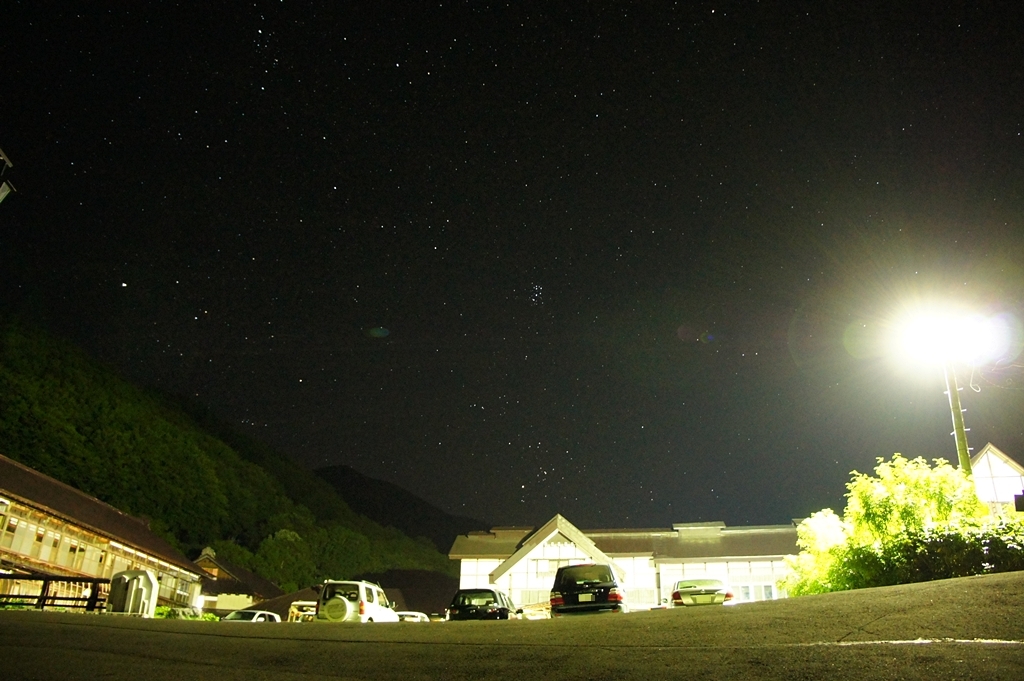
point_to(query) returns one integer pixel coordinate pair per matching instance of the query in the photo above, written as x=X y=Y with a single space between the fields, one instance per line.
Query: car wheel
x=337 y=609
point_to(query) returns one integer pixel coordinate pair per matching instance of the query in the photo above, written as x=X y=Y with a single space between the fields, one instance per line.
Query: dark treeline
x=175 y=465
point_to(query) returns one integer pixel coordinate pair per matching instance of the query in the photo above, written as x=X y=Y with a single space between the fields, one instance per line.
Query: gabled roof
x=997 y=477
x=555 y=526
x=991 y=450
x=234 y=579
x=31 y=488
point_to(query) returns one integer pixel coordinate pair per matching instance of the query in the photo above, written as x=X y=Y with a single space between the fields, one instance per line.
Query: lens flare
x=933 y=336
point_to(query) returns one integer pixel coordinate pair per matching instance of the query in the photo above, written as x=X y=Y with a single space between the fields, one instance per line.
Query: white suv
x=354 y=602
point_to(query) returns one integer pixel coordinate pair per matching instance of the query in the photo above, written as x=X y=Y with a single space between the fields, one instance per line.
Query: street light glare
x=933 y=337
x=943 y=337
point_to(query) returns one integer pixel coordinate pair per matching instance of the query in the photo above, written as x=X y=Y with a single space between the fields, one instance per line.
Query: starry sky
x=629 y=262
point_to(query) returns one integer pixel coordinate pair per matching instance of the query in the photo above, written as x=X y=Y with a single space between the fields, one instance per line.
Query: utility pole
x=959 y=432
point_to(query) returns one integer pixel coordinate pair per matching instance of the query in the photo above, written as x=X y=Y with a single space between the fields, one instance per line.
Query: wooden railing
x=96 y=600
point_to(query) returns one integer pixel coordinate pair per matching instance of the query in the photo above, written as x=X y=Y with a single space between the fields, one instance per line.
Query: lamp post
x=936 y=336
x=959 y=432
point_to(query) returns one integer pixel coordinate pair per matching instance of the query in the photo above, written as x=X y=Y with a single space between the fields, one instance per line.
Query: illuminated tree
x=908 y=495
x=817 y=536
x=890 y=519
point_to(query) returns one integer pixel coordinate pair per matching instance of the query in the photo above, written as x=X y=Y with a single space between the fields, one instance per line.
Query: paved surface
x=969 y=628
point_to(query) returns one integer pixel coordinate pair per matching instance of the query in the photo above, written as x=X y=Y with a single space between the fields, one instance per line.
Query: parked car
x=482 y=604
x=345 y=601
x=412 y=616
x=302 y=611
x=251 y=616
x=690 y=592
x=586 y=589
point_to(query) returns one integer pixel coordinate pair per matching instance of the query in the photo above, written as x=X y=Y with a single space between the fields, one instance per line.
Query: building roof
x=681 y=542
x=281 y=604
x=420 y=590
x=31 y=488
x=990 y=451
x=228 y=578
x=500 y=543
x=997 y=477
x=556 y=526
x=723 y=542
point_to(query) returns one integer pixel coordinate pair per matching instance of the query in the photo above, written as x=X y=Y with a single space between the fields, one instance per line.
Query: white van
x=354 y=602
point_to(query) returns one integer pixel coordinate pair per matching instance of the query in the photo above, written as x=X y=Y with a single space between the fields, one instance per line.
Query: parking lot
x=969 y=628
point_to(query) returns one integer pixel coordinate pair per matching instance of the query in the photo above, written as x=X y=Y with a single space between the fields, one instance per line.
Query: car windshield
x=480 y=598
x=350 y=592
x=587 y=574
x=240 y=615
x=699 y=584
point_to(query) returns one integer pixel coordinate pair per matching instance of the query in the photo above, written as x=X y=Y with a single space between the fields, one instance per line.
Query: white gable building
x=997 y=477
x=522 y=561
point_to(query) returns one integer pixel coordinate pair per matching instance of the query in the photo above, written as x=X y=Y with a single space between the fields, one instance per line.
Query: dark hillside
x=301 y=485
x=69 y=417
x=392 y=506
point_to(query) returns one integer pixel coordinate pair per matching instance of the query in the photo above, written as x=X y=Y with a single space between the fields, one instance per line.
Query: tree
x=884 y=513
x=285 y=558
x=908 y=495
x=816 y=536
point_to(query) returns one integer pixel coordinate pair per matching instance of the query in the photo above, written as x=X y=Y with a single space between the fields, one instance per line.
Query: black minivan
x=586 y=588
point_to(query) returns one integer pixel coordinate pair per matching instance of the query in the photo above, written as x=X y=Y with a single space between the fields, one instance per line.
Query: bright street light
x=932 y=337
x=938 y=337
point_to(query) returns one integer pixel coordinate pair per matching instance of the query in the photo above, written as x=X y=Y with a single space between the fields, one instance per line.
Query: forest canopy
x=171 y=463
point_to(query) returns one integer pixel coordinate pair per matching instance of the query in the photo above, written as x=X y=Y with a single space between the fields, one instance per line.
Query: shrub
x=910 y=523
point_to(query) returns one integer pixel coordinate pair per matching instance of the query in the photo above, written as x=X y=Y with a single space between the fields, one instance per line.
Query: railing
x=95 y=600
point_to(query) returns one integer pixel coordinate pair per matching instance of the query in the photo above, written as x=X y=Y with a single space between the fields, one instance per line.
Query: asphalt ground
x=971 y=628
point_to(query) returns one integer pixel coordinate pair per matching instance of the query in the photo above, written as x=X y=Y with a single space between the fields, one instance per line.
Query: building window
x=7 y=536
x=769 y=592
x=37 y=545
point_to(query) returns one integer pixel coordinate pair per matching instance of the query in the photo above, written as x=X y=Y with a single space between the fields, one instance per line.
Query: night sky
x=626 y=262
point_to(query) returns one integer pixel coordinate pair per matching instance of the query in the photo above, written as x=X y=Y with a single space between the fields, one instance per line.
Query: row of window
x=46 y=540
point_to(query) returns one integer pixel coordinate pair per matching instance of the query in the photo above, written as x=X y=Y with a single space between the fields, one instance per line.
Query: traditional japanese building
x=48 y=528
x=231 y=587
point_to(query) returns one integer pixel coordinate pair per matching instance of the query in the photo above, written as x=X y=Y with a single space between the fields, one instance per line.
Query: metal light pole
x=959 y=432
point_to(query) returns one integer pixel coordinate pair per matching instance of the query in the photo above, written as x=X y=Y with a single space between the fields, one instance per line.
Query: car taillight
x=676 y=596
x=614 y=595
x=556 y=598
x=728 y=595
x=362 y=607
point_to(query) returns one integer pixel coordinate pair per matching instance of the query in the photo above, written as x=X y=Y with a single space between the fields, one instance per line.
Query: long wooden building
x=48 y=528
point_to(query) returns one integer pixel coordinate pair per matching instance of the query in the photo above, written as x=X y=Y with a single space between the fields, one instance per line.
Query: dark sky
x=622 y=261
